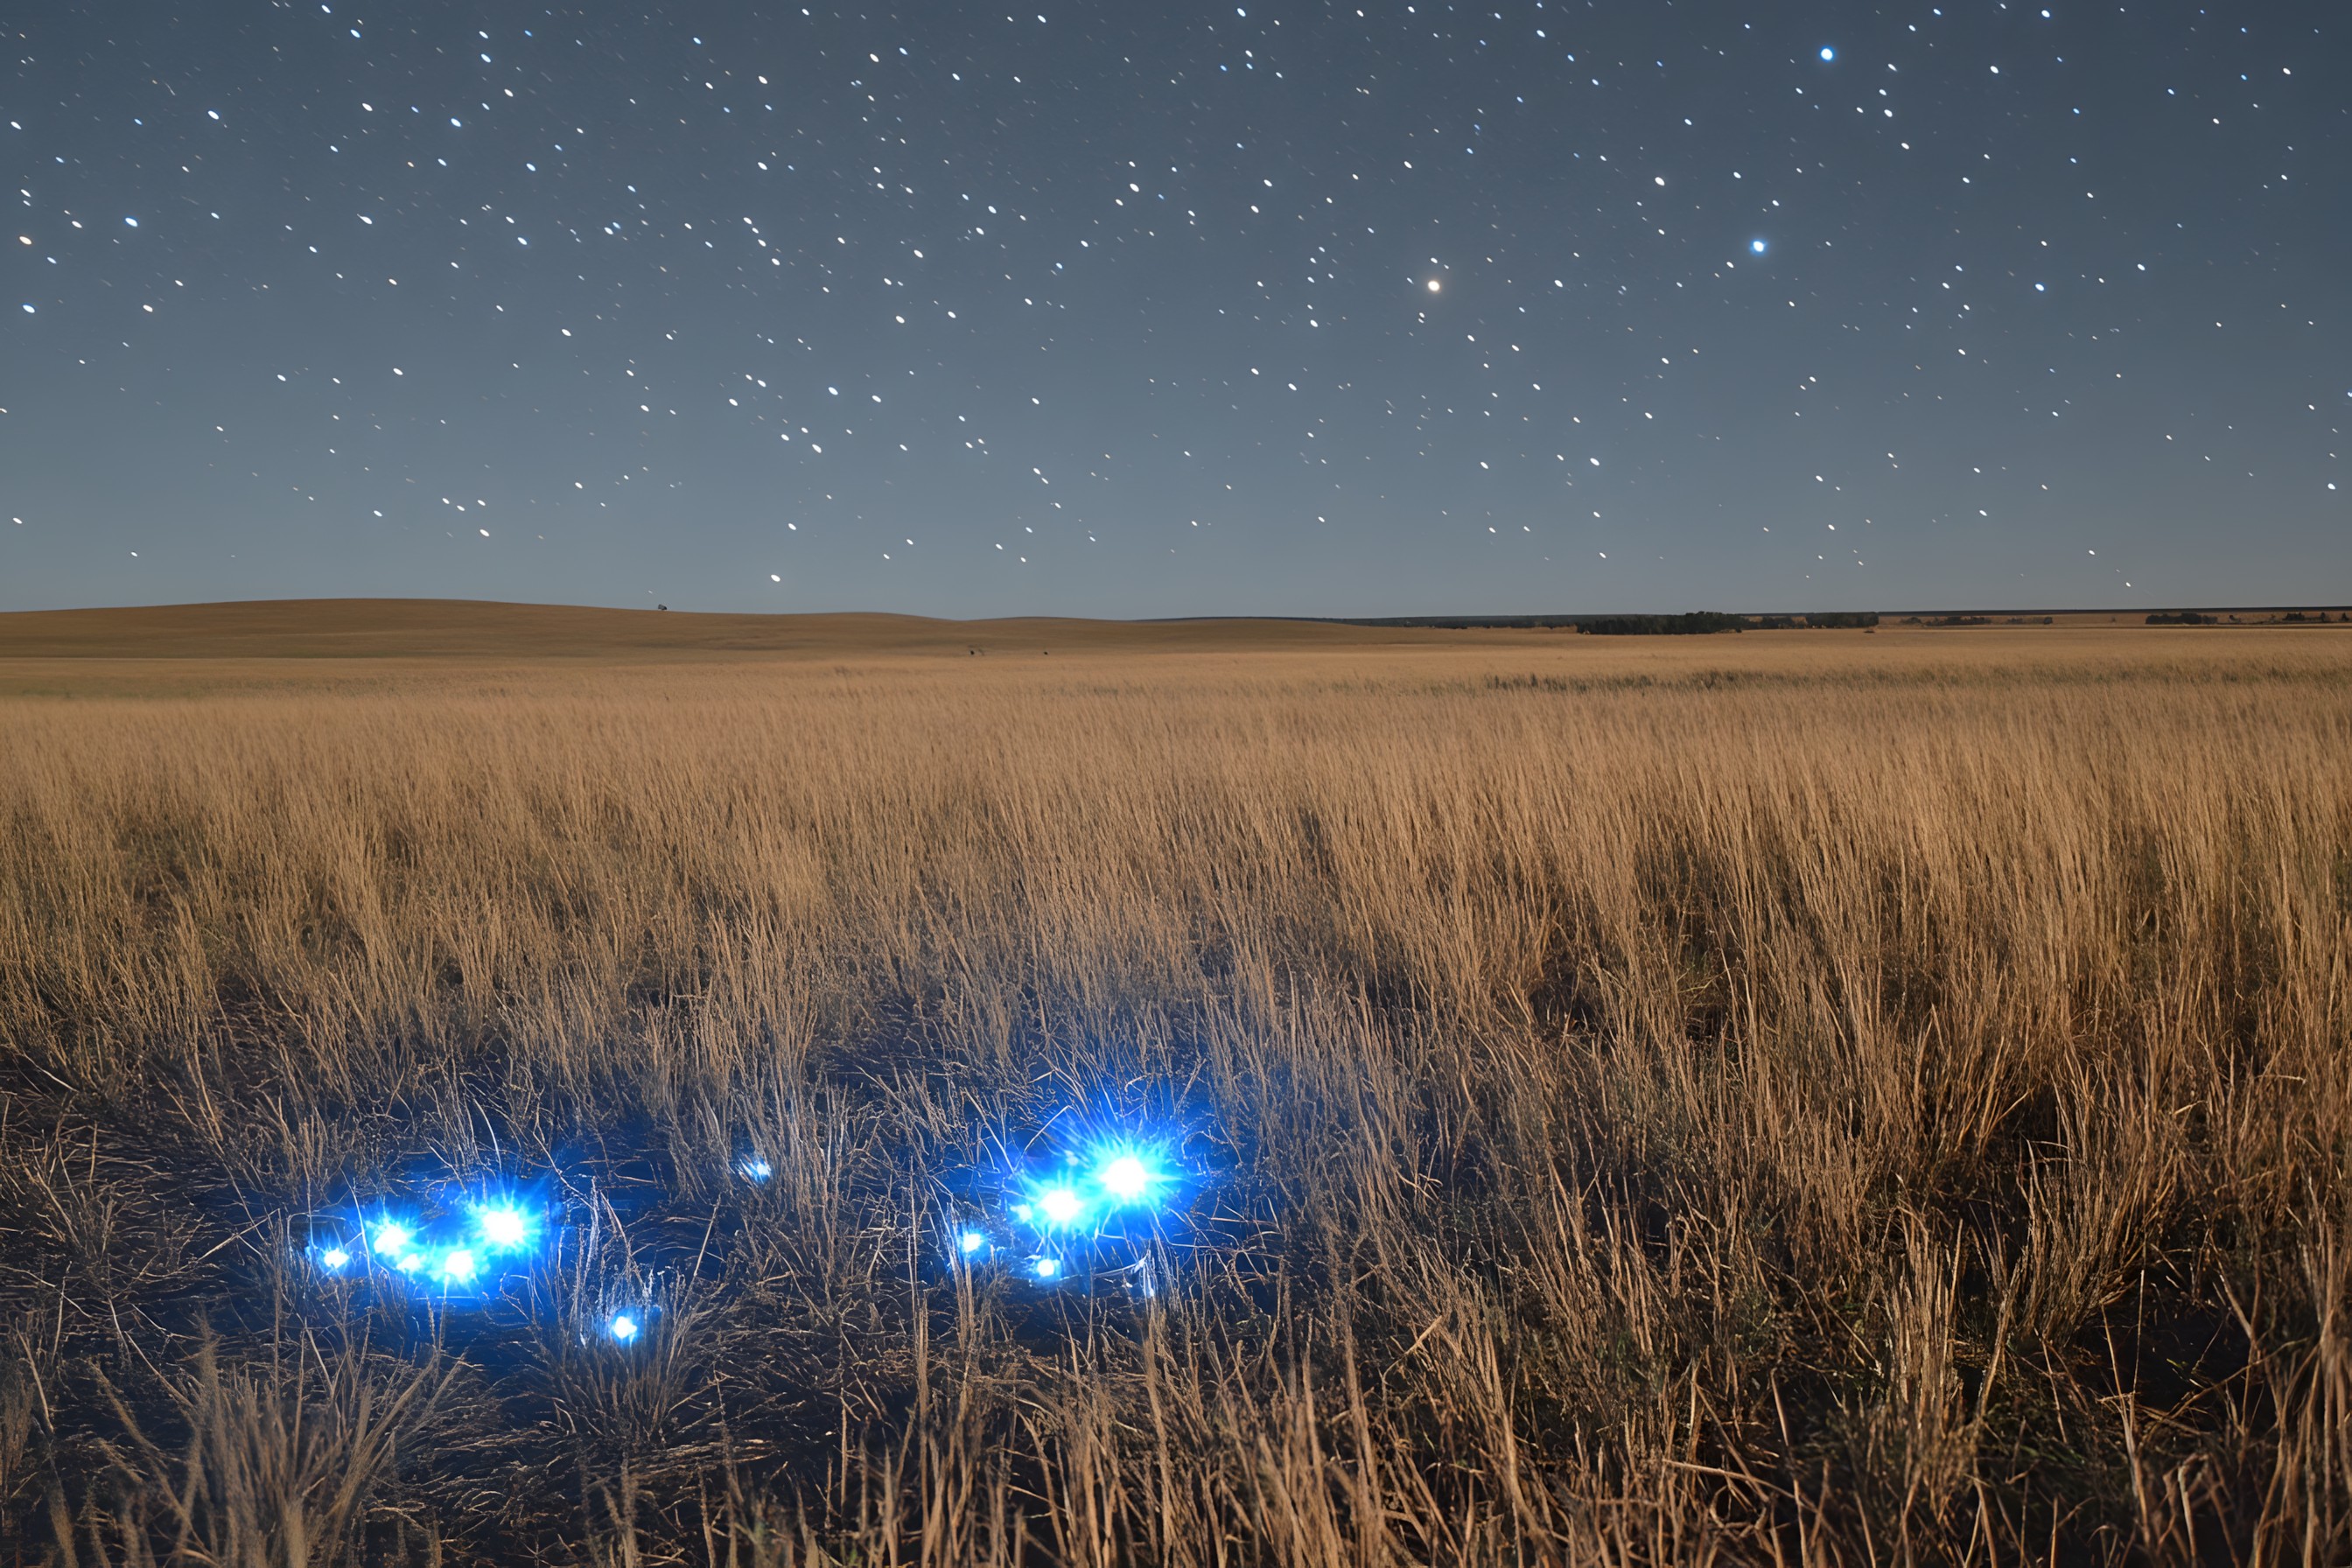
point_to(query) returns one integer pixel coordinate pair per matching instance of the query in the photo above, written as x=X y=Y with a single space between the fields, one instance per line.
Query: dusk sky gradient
x=1138 y=310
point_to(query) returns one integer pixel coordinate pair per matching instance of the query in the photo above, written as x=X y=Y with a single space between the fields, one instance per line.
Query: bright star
x=1433 y=285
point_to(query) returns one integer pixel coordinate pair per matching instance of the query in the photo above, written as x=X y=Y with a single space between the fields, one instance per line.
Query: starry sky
x=1120 y=308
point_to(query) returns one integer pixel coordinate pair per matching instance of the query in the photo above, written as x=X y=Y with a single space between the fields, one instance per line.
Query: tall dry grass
x=1852 y=1106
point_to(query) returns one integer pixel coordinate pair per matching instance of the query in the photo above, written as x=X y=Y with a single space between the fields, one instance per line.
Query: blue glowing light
x=410 y=1262
x=458 y=1266
x=1756 y=245
x=333 y=1258
x=1086 y=1201
x=1127 y=1178
x=972 y=1241
x=622 y=1328
x=754 y=1168
x=391 y=1239
x=504 y=1228
x=1828 y=54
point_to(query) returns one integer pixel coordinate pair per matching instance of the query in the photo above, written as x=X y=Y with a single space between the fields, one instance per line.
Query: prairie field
x=1799 y=1098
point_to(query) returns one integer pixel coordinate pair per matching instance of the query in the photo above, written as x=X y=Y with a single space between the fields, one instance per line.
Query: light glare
x=457 y=1266
x=622 y=1328
x=505 y=1227
x=1062 y=1205
x=389 y=1239
x=334 y=1257
x=1125 y=1178
x=972 y=1241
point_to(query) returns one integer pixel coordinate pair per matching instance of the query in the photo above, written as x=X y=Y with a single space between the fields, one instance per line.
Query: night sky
x=1135 y=309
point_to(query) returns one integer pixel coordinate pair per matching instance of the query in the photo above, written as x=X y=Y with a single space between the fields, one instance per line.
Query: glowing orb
x=972 y=1241
x=333 y=1258
x=457 y=1266
x=1756 y=245
x=1828 y=54
x=1125 y=1178
x=622 y=1328
x=1434 y=285
x=1046 y=1267
x=505 y=1227
x=391 y=1239
x=1062 y=1207
x=756 y=1169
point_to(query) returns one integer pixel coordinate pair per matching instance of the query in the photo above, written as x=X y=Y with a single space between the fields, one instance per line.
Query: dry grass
x=1804 y=1099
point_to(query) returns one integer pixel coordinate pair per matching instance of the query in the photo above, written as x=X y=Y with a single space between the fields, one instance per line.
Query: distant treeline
x=1698 y=623
x=1849 y=619
x=2192 y=618
x=1701 y=622
x=1695 y=623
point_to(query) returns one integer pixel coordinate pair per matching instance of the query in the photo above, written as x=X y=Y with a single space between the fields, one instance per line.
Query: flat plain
x=1797 y=1096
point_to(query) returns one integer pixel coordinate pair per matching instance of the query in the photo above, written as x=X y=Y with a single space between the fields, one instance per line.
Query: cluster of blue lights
x=458 y=1254
x=1107 y=1198
x=461 y=1253
x=1077 y=1211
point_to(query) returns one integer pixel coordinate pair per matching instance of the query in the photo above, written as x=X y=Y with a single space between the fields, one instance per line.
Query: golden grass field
x=1797 y=1098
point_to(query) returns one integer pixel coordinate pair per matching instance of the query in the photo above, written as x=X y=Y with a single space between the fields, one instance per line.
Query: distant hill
x=470 y=628
x=433 y=628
